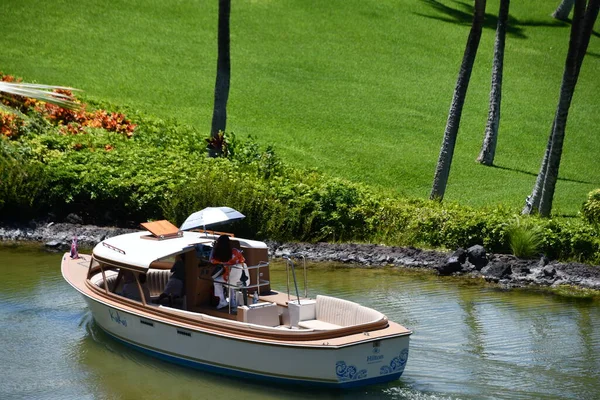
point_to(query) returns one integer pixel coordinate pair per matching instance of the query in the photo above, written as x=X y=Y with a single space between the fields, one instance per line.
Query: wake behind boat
x=259 y=334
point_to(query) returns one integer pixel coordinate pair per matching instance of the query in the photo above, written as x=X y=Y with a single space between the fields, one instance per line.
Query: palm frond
x=40 y=92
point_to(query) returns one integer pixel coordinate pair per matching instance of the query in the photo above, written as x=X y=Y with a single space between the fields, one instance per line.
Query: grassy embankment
x=357 y=89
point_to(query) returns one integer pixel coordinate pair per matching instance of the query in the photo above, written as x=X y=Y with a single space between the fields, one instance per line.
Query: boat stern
x=371 y=363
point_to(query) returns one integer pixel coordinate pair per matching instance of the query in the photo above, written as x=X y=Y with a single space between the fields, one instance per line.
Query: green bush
x=591 y=208
x=23 y=183
x=162 y=171
x=570 y=239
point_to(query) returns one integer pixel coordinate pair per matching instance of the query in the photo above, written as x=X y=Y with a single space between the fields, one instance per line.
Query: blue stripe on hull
x=240 y=374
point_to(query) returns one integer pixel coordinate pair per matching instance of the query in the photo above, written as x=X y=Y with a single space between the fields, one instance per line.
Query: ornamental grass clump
x=524 y=238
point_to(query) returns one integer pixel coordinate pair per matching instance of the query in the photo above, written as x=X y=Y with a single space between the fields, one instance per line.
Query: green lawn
x=358 y=89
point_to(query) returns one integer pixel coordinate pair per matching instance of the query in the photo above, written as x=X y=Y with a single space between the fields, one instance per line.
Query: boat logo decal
x=375 y=358
x=348 y=372
x=397 y=364
x=114 y=316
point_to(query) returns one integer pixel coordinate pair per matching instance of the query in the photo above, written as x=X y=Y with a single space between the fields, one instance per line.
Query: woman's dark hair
x=222 y=249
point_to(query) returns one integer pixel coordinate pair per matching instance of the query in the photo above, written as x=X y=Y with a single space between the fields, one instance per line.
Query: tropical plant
x=442 y=171
x=221 y=145
x=50 y=106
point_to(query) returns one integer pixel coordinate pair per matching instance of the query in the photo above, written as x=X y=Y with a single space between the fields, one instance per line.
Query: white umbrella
x=211 y=216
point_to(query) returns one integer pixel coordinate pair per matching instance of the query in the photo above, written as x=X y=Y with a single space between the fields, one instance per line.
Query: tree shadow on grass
x=569 y=22
x=521 y=171
x=462 y=14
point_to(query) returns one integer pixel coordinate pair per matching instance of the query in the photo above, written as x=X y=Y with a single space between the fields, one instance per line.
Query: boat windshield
x=124 y=282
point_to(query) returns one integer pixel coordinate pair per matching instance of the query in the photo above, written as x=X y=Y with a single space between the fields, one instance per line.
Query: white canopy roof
x=140 y=249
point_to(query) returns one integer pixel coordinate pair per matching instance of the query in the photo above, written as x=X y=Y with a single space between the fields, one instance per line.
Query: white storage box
x=266 y=314
x=307 y=309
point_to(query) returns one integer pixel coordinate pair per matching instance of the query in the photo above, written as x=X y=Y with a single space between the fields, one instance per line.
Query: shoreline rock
x=505 y=270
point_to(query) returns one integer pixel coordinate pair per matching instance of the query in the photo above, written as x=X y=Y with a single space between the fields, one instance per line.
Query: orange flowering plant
x=57 y=105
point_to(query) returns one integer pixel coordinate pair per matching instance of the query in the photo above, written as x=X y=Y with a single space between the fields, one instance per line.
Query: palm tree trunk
x=563 y=10
x=442 y=171
x=581 y=30
x=532 y=203
x=488 y=148
x=219 y=120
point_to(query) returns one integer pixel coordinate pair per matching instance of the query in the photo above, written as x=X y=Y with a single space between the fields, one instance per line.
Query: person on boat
x=174 y=288
x=226 y=255
x=130 y=287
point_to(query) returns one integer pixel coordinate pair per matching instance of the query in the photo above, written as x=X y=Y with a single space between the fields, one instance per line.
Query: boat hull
x=358 y=364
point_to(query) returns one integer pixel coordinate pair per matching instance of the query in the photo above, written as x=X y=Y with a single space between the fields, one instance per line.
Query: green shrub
x=571 y=239
x=591 y=208
x=162 y=171
x=23 y=183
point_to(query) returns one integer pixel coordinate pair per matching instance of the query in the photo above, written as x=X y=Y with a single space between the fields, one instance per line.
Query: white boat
x=276 y=336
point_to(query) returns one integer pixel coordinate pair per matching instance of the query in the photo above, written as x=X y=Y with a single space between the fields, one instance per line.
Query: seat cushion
x=318 y=325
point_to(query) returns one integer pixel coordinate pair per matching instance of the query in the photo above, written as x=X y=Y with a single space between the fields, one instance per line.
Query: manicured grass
x=358 y=89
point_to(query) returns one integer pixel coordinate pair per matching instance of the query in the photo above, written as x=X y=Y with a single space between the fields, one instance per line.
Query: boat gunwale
x=243 y=330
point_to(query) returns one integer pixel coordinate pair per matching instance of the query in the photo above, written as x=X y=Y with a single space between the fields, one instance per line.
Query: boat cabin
x=151 y=256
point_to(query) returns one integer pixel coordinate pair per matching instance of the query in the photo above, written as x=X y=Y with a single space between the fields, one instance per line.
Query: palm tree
x=488 y=148
x=219 y=120
x=442 y=171
x=584 y=17
x=563 y=10
x=46 y=93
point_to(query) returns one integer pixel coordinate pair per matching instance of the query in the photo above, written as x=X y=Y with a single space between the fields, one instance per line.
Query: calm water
x=470 y=341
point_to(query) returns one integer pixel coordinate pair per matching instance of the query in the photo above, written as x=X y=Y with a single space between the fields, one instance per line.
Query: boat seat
x=98 y=279
x=334 y=313
x=318 y=325
x=156 y=280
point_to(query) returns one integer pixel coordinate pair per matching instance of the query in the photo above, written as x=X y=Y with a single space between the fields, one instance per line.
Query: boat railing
x=241 y=284
x=113 y=248
x=290 y=266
